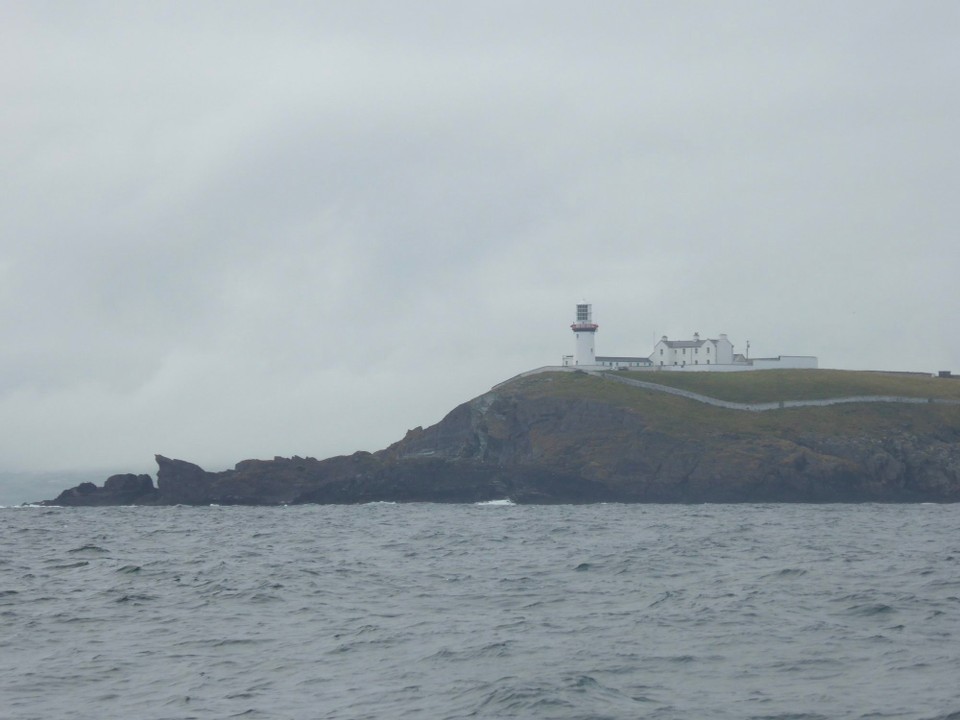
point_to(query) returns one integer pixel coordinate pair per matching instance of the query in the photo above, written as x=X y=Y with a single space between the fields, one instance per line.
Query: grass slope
x=680 y=416
x=776 y=385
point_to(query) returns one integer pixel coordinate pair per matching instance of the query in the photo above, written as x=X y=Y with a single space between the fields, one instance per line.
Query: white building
x=584 y=330
x=681 y=353
x=584 y=352
x=698 y=354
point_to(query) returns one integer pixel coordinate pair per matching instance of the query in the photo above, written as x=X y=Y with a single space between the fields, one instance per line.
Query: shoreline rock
x=538 y=448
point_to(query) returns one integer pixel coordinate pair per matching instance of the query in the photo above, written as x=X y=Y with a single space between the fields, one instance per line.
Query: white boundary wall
x=783 y=362
x=793 y=362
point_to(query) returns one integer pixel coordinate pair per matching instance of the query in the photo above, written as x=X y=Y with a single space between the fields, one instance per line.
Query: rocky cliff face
x=614 y=452
x=556 y=450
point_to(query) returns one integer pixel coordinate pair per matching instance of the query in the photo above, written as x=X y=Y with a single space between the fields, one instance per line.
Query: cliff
x=575 y=438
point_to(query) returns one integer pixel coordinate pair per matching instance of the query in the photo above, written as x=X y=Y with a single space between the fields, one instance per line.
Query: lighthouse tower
x=584 y=329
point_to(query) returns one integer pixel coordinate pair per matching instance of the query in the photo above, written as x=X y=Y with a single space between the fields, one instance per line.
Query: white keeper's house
x=696 y=355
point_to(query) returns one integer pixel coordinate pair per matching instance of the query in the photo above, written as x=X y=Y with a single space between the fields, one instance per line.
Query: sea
x=783 y=612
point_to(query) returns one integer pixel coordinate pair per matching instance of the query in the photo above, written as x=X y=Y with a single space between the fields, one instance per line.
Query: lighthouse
x=584 y=329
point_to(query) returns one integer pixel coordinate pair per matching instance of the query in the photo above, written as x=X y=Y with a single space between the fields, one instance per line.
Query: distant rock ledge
x=567 y=439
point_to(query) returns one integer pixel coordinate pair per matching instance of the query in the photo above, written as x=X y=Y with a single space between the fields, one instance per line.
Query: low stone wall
x=706 y=399
x=545 y=368
x=779 y=405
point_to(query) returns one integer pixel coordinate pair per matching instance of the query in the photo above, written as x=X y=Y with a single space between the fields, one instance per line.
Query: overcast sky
x=247 y=229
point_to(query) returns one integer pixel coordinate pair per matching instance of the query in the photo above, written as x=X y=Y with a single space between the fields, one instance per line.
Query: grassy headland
x=679 y=415
x=776 y=385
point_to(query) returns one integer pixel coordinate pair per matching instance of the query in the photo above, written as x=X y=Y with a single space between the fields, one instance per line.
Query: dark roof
x=613 y=358
x=689 y=343
x=685 y=343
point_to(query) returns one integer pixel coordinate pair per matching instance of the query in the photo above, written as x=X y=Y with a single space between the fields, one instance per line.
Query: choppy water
x=434 y=611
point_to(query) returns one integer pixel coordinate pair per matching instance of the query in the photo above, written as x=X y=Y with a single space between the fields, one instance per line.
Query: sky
x=237 y=229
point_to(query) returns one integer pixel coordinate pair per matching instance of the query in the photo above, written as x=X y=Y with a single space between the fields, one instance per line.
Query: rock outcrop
x=537 y=446
x=126 y=489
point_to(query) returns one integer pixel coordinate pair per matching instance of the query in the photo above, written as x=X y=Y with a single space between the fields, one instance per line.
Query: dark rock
x=127 y=489
x=540 y=448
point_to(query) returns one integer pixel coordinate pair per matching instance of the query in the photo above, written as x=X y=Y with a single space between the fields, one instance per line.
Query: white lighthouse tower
x=584 y=330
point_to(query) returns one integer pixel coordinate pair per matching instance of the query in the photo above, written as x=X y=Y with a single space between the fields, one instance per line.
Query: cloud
x=241 y=229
